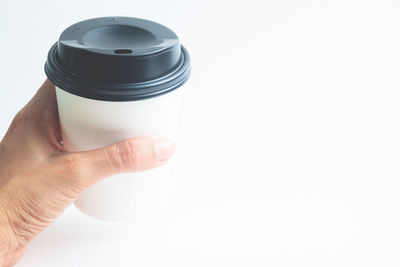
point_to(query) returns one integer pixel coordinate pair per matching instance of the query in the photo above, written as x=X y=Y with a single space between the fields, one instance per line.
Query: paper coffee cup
x=117 y=78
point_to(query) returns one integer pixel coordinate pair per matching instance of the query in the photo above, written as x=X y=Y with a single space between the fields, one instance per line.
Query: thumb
x=136 y=154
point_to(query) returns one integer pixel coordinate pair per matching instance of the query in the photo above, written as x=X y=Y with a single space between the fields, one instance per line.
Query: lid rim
x=70 y=82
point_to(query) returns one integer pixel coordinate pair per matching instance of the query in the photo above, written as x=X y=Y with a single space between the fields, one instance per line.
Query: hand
x=39 y=179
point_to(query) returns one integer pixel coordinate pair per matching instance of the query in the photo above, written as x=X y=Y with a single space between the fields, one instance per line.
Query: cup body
x=89 y=124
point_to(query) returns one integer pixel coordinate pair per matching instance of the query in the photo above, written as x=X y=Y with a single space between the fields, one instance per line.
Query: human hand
x=39 y=179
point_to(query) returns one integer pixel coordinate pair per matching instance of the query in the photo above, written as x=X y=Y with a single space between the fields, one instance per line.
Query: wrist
x=10 y=251
x=5 y=256
x=10 y=256
x=6 y=247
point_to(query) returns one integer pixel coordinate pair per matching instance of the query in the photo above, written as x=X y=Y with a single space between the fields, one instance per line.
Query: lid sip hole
x=123 y=51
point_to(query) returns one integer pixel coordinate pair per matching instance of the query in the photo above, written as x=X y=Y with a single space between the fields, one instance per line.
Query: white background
x=289 y=152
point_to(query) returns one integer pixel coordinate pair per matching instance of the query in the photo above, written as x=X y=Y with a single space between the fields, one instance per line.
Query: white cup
x=89 y=124
x=118 y=78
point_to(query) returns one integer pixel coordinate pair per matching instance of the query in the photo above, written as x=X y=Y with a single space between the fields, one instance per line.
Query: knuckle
x=124 y=156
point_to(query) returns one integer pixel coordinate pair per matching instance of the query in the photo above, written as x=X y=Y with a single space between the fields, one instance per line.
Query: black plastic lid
x=118 y=59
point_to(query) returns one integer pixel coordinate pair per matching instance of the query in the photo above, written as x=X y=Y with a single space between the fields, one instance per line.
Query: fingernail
x=164 y=148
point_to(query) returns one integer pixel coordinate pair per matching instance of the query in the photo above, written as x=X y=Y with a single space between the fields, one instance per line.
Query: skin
x=39 y=179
